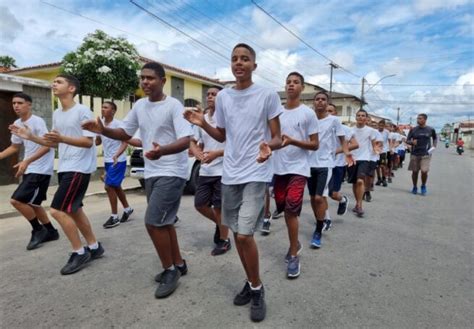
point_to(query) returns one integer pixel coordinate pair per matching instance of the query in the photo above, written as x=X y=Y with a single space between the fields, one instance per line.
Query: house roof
x=23 y=81
x=142 y=59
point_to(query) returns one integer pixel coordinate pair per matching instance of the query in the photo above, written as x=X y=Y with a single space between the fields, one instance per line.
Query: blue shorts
x=114 y=175
x=338 y=174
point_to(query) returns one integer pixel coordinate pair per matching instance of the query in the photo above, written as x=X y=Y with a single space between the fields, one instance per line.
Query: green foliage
x=106 y=66
x=7 y=61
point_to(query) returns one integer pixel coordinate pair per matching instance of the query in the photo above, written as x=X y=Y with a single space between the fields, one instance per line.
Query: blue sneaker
x=423 y=190
x=316 y=240
x=414 y=190
x=288 y=256
x=293 y=270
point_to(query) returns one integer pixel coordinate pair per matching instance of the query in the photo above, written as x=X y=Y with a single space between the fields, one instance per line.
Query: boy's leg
x=248 y=247
x=160 y=236
x=112 y=194
x=84 y=225
x=69 y=227
x=122 y=197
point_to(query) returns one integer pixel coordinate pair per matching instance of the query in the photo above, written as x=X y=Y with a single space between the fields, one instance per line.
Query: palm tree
x=7 y=62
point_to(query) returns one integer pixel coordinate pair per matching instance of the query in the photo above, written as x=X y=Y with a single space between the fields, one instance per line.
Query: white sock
x=80 y=251
x=114 y=215
x=256 y=288
x=171 y=268
x=128 y=209
x=326 y=215
x=94 y=246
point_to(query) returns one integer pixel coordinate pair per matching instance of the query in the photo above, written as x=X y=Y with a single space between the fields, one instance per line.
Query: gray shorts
x=163 y=195
x=242 y=206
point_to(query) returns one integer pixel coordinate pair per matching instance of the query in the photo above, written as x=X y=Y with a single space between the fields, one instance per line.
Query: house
x=346 y=105
x=41 y=93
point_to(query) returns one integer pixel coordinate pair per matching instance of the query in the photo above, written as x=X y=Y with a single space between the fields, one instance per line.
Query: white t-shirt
x=111 y=146
x=402 y=140
x=45 y=164
x=210 y=144
x=163 y=123
x=378 y=138
x=329 y=129
x=299 y=124
x=244 y=114
x=385 y=135
x=73 y=158
x=364 y=137
x=340 y=159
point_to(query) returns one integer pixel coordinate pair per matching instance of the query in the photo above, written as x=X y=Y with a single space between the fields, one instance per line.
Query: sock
x=256 y=288
x=36 y=224
x=128 y=209
x=94 y=246
x=180 y=265
x=114 y=215
x=49 y=226
x=319 y=226
x=171 y=268
x=80 y=251
x=327 y=216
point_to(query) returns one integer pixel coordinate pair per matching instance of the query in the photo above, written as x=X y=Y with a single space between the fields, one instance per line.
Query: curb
x=15 y=213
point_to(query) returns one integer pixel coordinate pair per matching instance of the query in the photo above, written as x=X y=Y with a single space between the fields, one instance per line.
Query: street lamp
x=362 y=92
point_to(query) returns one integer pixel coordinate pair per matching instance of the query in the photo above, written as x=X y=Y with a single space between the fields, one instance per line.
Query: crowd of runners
x=252 y=150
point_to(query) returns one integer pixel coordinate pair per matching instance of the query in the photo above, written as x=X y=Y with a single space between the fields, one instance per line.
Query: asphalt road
x=407 y=264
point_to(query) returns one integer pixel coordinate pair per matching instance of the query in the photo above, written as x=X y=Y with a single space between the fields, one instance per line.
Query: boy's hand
x=21 y=168
x=95 y=126
x=22 y=132
x=194 y=117
x=209 y=156
x=286 y=140
x=53 y=137
x=265 y=152
x=154 y=153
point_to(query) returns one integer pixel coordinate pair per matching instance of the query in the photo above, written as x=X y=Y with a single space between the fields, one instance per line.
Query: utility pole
x=398 y=115
x=333 y=66
x=362 y=95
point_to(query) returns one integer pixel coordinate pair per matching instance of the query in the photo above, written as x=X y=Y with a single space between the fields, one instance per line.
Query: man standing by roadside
x=420 y=140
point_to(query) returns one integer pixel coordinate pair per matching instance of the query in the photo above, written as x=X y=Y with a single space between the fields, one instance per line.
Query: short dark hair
x=423 y=115
x=215 y=87
x=364 y=111
x=331 y=104
x=382 y=121
x=246 y=46
x=157 y=67
x=26 y=97
x=190 y=102
x=72 y=80
x=299 y=75
x=114 y=106
x=322 y=92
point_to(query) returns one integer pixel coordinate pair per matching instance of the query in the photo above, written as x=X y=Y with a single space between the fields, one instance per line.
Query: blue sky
x=427 y=44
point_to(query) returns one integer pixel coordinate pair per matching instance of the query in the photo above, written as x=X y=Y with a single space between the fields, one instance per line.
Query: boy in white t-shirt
x=77 y=160
x=115 y=165
x=207 y=199
x=35 y=169
x=165 y=137
x=245 y=116
x=299 y=128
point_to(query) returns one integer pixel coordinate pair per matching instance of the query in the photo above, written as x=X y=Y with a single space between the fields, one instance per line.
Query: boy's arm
x=135 y=142
x=120 y=150
x=196 y=150
x=26 y=133
x=311 y=144
x=23 y=165
x=197 y=118
x=98 y=140
x=160 y=150
x=9 y=151
x=275 y=143
x=96 y=126
x=54 y=137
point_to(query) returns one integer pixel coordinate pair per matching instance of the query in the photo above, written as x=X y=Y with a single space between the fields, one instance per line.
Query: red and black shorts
x=289 y=191
x=32 y=189
x=71 y=190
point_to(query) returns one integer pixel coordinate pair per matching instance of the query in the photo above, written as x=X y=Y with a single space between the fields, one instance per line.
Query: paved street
x=407 y=264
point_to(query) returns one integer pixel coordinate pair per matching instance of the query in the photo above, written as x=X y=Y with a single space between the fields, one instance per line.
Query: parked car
x=137 y=170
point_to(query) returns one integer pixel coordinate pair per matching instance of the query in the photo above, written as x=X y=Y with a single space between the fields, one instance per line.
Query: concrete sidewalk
x=95 y=187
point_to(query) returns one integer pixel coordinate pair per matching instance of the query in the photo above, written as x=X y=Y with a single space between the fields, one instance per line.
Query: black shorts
x=383 y=159
x=208 y=192
x=32 y=189
x=318 y=183
x=372 y=167
x=71 y=190
x=360 y=170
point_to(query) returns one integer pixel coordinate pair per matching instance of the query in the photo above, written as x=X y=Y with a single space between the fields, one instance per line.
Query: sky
x=423 y=50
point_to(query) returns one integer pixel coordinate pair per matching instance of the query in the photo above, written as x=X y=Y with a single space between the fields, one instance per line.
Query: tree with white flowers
x=106 y=66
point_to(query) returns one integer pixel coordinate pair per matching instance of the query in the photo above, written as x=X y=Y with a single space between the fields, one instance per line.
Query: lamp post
x=362 y=91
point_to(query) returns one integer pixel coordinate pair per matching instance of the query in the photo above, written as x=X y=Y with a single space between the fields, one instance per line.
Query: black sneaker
x=126 y=216
x=52 y=235
x=37 y=237
x=384 y=183
x=168 y=283
x=76 y=262
x=183 y=269
x=327 y=225
x=258 y=309
x=368 y=197
x=217 y=235
x=96 y=253
x=266 y=226
x=111 y=222
x=276 y=214
x=221 y=248
x=379 y=182
x=243 y=297
x=342 y=207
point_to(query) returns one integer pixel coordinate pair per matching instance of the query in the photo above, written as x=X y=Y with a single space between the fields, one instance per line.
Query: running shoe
x=111 y=222
x=384 y=183
x=288 y=256
x=277 y=214
x=414 y=190
x=126 y=216
x=244 y=296
x=342 y=207
x=293 y=269
x=37 y=237
x=266 y=226
x=183 y=269
x=379 y=182
x=423 y=190
x=389 y=179
x=258 y=308
x=76 y=262
x=168 y=283
x=327 y=225
x=316 y=240
x=368 y=197
x=221 y=248
x=96 y=253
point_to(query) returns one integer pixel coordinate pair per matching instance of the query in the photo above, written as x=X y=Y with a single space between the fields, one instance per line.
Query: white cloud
x=10 y=27
x=429 y=6
x=400 y=67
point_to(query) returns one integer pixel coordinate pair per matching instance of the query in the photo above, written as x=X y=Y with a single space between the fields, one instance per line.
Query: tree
x=106 y=66
x=7 y=61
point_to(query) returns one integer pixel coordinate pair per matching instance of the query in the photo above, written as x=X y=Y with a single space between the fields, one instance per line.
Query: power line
x=303 y=41
x=408 y=85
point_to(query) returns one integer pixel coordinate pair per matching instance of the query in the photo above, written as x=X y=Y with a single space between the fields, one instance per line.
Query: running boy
x=245 y=115
x=77 y=160
x=35 y=169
